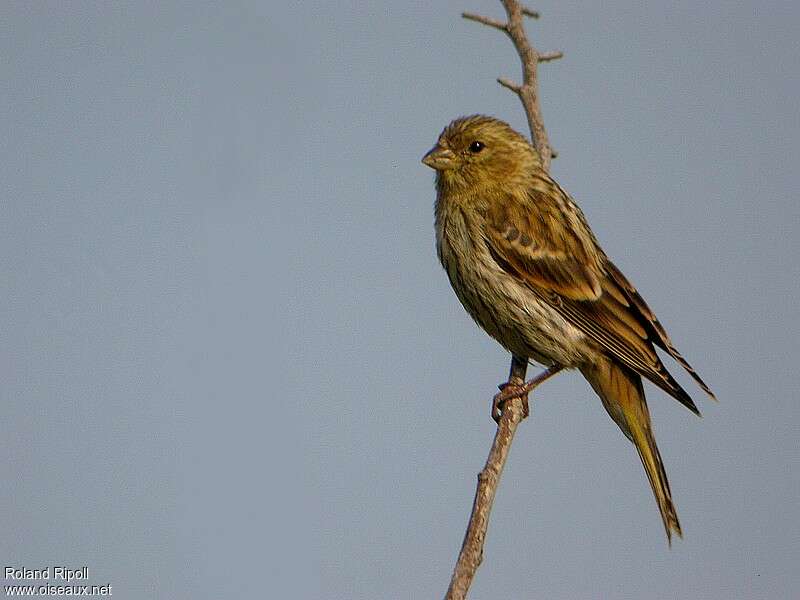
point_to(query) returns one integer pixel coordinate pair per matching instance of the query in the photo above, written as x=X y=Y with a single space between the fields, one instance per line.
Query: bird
x=526 y=266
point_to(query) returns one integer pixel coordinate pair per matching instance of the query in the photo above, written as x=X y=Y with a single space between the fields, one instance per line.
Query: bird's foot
x=509 y=391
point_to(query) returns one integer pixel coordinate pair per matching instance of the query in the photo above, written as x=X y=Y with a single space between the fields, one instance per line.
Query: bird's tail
x=622 y=394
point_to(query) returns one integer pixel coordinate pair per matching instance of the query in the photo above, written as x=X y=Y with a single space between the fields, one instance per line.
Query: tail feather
x=622 y=394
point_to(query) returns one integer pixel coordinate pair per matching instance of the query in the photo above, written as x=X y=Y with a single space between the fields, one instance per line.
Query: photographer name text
x=47 y=573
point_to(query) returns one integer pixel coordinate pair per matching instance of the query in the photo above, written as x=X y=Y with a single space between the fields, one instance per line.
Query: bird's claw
x=509 y=391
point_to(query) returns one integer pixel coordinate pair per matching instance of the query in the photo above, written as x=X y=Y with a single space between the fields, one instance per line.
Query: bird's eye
x=476 y=147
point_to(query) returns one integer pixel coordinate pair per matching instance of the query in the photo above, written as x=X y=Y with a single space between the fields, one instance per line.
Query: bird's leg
x=512 y=389
x=516 y=376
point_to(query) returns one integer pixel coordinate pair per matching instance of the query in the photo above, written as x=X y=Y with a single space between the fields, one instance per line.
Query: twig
x=548 y=56
x=471 y=555
x=528 y=91
x=530 y=13
x=485 y=21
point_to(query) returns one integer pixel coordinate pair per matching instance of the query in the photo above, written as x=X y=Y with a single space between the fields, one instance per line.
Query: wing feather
x=549 y=246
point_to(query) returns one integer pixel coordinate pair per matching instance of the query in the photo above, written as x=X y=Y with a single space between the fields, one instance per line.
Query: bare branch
x=507 y=83
x=471 y=555
x=548 y=56
x=528 y=92
x=472 y=548
x=485 y=21
x=514 y=410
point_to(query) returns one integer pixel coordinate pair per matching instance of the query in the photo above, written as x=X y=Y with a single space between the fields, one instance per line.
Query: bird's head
x=479 y=150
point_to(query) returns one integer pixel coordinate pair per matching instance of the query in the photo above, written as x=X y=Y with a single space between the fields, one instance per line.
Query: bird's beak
x=439 y=158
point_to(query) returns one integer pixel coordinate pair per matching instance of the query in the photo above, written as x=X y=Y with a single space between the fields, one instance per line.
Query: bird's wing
x=536 y=238
x=656 y=331
x=545 y=242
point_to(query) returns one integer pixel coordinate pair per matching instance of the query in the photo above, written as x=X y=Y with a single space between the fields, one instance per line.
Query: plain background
x=231 y=366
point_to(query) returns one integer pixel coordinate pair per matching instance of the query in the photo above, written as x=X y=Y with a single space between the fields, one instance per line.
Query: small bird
x=526 y=266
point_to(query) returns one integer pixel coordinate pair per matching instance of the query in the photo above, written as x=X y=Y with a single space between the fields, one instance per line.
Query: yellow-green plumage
x=526 y=266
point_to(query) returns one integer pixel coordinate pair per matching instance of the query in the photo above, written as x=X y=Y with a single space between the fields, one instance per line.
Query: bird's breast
x=500 y=303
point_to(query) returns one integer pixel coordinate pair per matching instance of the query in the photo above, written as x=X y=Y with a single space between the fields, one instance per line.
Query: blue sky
x=232 y=366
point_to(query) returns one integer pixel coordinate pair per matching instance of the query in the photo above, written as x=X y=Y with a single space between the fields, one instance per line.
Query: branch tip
x=530 y=13
x=507 y=83
x=485 y=21
x=548 y=56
